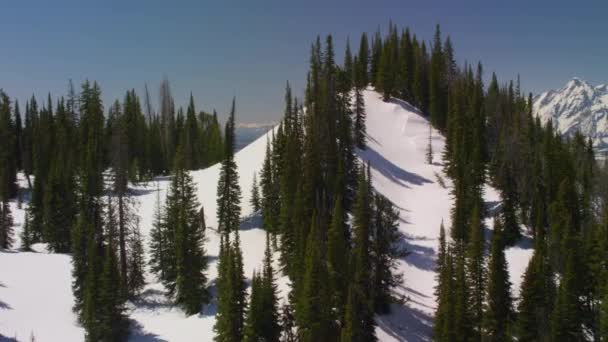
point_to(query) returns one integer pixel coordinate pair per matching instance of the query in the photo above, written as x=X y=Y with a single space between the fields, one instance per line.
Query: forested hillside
x=338 y=248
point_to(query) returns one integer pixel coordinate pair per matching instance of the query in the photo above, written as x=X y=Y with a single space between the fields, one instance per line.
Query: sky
x=250 y=49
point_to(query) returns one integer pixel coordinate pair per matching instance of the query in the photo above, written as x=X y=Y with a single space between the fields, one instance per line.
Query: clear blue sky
x=218 y=49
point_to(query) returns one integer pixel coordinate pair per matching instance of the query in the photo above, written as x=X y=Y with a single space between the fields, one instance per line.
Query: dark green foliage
x=386 y=251
x=498 y=311
x=362 y=65
x=476 y=273
x=60 y=198
x=338 y=248
x=162 y=257
x=359 y=122
x=188 y=281
x=136 y=263
x=255 y=195
x=312 y=312
x=228 y=189
x=231 y=299
x=8 y=158
x=113 y=324
x=26 y=233
x=6 y=225
x=359 y=316
x=537 y=296
x=262 y=316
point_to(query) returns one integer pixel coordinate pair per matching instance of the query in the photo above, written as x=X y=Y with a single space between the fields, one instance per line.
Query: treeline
x=342 y=271
x=553 y=193
x=47 y=142
x=81 y=162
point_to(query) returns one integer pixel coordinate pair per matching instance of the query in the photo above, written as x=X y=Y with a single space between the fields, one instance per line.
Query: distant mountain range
x=578 y=106
x=247 y=133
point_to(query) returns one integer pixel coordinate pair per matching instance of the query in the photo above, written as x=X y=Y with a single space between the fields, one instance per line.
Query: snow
x=397 y=141
x=36 y=296
x=577 y=106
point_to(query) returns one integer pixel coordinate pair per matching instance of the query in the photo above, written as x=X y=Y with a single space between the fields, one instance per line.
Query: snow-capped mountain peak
x=578 y=106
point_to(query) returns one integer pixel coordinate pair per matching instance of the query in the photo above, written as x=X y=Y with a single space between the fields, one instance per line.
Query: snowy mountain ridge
x=397 y=139
x=578 y=106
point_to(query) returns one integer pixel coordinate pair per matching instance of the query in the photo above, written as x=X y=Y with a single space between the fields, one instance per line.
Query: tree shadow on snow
x=8 y=339
x=421 y=257
x=153 y=299
x=5 y=306
x=405 y=323
x=389 y=170
x=139 y=335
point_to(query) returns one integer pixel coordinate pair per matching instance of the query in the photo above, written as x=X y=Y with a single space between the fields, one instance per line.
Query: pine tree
x=359 y=124
x=312 y=312
x=190 y=259
x=537 y=296
x=386 y=252
x=162 y=261
x=337 y=257
x=6 y=225
x=429 y=146
x=136 y=279
x=498 y=313
x=26 y=234
x=253 y=325
x=269 y=314
x=8 y=162
x=475 y=271
x=255 y=195
x=567 y=316
x=359 y=316
x=230 y=318
x=362 y=79
x=443 y=289
x=228 y=189
x=113 y=324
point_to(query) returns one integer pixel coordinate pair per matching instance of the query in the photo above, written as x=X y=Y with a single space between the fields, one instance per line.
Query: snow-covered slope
x=397 y=143
x=35 y=293
x=578 y=106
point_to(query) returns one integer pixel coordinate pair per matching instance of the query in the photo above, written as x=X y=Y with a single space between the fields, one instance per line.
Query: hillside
x=35 y=293
x=578 y=106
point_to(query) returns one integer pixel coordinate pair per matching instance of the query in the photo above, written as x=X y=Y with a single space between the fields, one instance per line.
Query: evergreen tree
x=567 y=316
x=312 y=312
x=230 y=318
x=113 y=324
x=253 y=325
x=429 y=146
x=337 y=257
x=228 y=189
x=269 y=313
x=26 y=234
x=162 y=261
x=537 y=295
x=8 y=162
x=359 y=124
x=359 y=315
x=386 y=251
x=255 y=195
x=136 y=279
x=498 y=313
x=476 y=273
x=190 y=260
x=6 y=225
x=362 y=78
